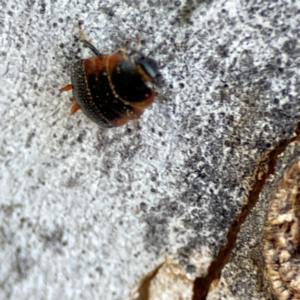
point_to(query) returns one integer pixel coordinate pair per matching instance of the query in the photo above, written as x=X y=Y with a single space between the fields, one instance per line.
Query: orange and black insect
x=111 y=89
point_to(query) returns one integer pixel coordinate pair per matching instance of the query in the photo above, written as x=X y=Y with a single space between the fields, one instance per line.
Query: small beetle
x=110 y=89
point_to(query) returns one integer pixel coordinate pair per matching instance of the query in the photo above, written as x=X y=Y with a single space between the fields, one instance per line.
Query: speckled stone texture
x=87 y=213
x=246 y=271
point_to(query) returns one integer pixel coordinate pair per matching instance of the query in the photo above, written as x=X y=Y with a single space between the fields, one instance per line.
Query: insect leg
x=85 y=42
x=66 y=88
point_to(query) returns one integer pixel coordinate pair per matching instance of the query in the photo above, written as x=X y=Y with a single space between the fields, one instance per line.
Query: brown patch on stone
x=282 y=237
x=171 y=282
x=141 y=292
x=168 y=281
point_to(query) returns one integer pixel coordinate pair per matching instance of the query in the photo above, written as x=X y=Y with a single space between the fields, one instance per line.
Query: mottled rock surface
x=136 y=213
x=246 y=273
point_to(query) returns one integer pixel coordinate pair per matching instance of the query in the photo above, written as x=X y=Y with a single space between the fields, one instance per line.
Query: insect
x=111 y=89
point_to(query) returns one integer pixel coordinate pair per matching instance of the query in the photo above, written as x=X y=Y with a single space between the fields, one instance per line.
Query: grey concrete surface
x=85 y=212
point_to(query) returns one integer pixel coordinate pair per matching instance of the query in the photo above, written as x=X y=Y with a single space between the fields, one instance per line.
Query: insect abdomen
x=83 y=97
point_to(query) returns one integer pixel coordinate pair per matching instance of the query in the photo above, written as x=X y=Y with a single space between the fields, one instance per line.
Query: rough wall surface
x=245 y=273
x=87 y=212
